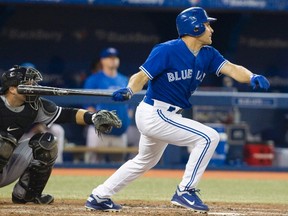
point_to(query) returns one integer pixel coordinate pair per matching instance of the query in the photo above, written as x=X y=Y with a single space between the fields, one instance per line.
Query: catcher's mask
x=24 y=76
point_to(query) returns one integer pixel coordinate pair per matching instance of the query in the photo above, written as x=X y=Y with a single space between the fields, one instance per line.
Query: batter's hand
x=122 y=94
x=259 y=80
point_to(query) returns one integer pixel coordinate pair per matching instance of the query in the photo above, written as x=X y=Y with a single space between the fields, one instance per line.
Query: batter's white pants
x=158 y=127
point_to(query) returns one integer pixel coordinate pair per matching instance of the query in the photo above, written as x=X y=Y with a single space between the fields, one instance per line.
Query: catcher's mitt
x=105 y=120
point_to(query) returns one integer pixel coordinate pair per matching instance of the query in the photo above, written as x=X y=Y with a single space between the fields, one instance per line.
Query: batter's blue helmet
x=191 y=21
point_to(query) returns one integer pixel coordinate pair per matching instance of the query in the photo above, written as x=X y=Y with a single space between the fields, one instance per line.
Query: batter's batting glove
x=259 y=80
x=122 y=94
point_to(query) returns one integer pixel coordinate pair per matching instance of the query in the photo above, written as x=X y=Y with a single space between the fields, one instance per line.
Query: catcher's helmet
x=19 y=75
x=191 y=21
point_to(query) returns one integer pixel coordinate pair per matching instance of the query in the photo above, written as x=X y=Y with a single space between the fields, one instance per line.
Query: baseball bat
x=47 y=90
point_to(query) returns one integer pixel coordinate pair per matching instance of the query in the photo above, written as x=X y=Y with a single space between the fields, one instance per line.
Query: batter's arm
x=137 y=81
x=237 y=72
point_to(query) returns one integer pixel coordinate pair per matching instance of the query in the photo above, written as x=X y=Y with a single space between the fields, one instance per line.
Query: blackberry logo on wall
x=129 y=37
x=31 y=34
x=270 y=47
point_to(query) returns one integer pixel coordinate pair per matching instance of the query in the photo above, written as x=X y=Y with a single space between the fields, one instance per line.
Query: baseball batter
x=174 y=70
x=31 y=160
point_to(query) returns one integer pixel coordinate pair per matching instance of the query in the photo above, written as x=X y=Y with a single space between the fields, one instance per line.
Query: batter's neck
x=192 y=43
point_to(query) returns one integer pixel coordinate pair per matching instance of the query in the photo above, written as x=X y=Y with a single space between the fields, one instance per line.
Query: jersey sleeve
x=217 y=62
x=156 y=61
x=48 y=112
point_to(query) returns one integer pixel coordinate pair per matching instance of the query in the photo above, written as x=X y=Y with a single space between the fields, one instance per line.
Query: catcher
x=32 y=160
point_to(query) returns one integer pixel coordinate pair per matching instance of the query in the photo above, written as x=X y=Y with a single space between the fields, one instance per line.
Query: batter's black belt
x=170 y=108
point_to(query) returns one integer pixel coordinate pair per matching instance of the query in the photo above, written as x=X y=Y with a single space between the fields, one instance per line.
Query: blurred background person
x=105 y=75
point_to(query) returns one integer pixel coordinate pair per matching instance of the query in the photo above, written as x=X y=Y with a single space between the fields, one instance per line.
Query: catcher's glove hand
x=105 y=120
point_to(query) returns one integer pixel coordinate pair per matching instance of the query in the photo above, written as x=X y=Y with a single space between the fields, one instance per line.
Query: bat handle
x=127 y=96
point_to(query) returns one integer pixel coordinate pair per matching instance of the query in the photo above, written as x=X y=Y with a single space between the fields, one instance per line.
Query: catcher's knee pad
x=7 y=145
x=44 y=148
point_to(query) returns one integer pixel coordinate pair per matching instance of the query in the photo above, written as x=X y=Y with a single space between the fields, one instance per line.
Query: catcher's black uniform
x=16 y=121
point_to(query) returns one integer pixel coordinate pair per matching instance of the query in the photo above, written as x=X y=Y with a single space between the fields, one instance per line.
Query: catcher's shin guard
x=33 y=181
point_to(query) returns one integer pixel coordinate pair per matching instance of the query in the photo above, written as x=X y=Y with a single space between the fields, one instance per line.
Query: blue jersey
x=101 y=81
x=175 y=73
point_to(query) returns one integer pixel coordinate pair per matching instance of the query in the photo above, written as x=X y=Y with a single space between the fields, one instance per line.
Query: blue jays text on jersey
x=184 y=74
x=175 y=72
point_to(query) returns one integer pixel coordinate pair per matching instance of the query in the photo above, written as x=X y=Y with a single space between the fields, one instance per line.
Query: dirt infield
x=160 y=208
x=139 y=208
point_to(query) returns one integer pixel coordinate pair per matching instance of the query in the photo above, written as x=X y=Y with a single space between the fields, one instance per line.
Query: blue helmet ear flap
x=198 y=29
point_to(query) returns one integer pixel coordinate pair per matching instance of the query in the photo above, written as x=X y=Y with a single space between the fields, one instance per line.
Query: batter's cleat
x=44 y=199
x=94 y=203
x=189 y=199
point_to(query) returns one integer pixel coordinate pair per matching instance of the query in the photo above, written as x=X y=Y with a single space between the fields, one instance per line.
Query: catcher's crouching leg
x=33 y=181
x=7 y=145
